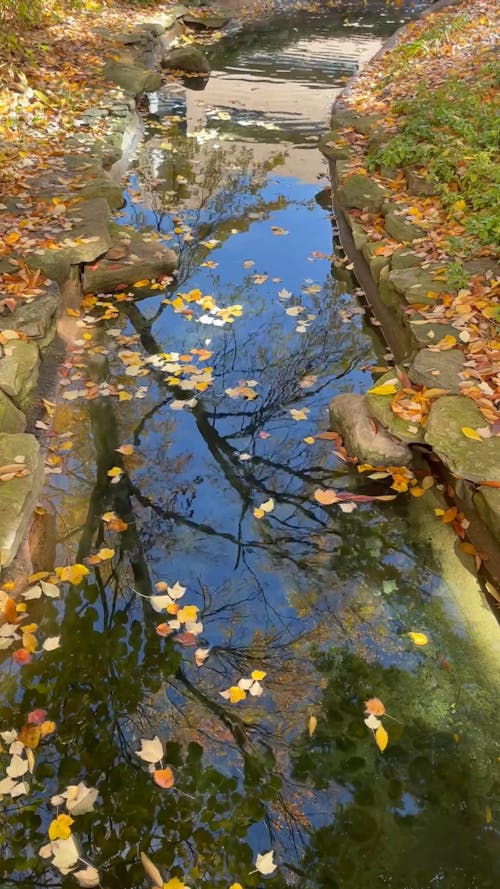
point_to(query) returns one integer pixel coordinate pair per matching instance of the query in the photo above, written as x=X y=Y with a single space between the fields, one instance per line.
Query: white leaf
x=8 y=630
x=200 y=656
x=372 y=722
x=51 y=643
x=9 y=737
x=33 y=592
x=159 y=603
x=176 y=591
x=256 y=689
x=16 y=747
x=30 y=756
x=268 y=506
x=151 y=870
x=151 y=751
x=6 y=785
x=57 y=800
x=17 y=766
x=265 y=864
x=45 y=851
x=347 y=507
x=194 y=627
x=245 y=684
x=80 y=799
x=50 y=589
x=88 y=877
x=18 y=789
x=66 y=854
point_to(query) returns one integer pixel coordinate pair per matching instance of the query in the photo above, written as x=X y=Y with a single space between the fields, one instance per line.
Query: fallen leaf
x=312 y=723
x=265 y=864
x=60 y=827
x=151 y=751
x=326 y=498
x=88 y=877
x=374 y=706
x=471 y=433
x=418 y=638
x=151 y=870
x=164 y=777
x=381 y=738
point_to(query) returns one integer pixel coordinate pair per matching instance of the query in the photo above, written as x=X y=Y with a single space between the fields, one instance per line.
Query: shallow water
x=319 y=599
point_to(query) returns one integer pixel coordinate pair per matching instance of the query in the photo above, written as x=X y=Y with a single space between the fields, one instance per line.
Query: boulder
x=19 y=495
x=206 y=19
x=415 y=284
x=426 y=333
x=333 y=146
x=487 y=503
x=103 y=187
x=405 y=258
x=419 y=183
x=54 y=264
x=11 y=419
x=379 y=407
x=89 y=237
x=34 y=318
x=361 y=435
x=186 y=58
x=400 y=228
x=478 y=461
x=131 y=78
x=374 y=260
x=437 y=369
x=146 y=259
x=19 y=369
x=362 y=193
x=343 y=119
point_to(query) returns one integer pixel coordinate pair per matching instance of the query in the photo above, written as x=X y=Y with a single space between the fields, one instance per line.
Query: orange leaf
x=164 y=777
x=326 y=498
x=375 y=707
x=449 y=515
x=9 y=611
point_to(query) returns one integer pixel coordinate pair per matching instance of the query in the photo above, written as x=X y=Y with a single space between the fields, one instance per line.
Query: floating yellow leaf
x=72 y=573
x=384 y=389
x=418 y=638
x=142 y=283
x=258 y=513
x=59 y=828
x=299 y=415
x=125 y=449
x=236 y=694
x=174 y=883
x=257 y=675
x=164 y=777
x=381 y=738
x=312 y=723
x=187 y=613
x=470 y=433
x=114 y=472
x=308 y=439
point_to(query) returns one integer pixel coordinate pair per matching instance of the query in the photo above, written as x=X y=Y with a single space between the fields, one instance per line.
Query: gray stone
x=89 y=219
x=155 y=28
x=414 y=283
x=350 y=418
x=210 y=19
x=19 y=370
x=437 y=370
x=18 y=496
x=419 y=184
x=379 y=407
x=359 y=235
x=362 y=193
x=478 y=461
x=132 y=79
x=34 y=318
x=376 y=262
x=186 y=58
x=105 y=188
x=487 y=503
x=426 y=333
x=363 y=123
x=54 y=264
x=333 y=146
x=11 y=419
x=404 y=258
x=147 y=259
x=399 y=228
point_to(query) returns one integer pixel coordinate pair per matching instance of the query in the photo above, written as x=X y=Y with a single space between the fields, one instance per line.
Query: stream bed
x=214 y=561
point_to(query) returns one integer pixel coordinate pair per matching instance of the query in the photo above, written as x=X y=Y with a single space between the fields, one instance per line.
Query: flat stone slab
x=399 y=228
x=34 y=318
x=415 y=283
x=487 y=503
x=143 y=259
x=211 y=19
x=379 y=407
x=103 y=187
x=426 y=333
x=18 y=496
x=478 y=461
x=362 y=193
x=11 y=419
x=89 y=237
x=437 y=369
x=54 y=264
x=19 y=369
x=131 y=78
x=363 y=123
x=361 y=435
x=404 y=258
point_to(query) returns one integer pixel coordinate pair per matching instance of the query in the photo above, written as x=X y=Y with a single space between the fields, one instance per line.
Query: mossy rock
x=35 y=318
x=359 y=235
x=426 y=333
x=438 y=370
x=19 y=495
x=361 y=193
x=375 y=261
x=478 y=461
x=399 y=228
x=487 y=503
x=131 y=78
x=334 y=147
x=349 y=417
x=54 y=264
x=186 y=58
x=362 y=123
x=11 y=418
x=405 y=258
x=379 y=406
x=104 y=188
x=19 y=370
x=415 y=284
x=147 y=259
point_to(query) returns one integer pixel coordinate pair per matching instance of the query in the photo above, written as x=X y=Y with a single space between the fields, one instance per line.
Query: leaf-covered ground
x=434 y=93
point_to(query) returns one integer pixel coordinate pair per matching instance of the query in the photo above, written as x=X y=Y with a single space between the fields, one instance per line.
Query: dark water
x=319 y=599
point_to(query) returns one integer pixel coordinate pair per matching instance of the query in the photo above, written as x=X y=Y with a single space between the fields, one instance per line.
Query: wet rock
x=362 y=193
x=361 y=435
x=437 y=369
x=333 y=146
x=118 y=250
x=11 y=419
x=399 y=228
x=19 y=370
x=18 y=496
x=147 y=259
x=477 y=461
x=89 y=227
x=131 y=78
x=186 y=58
x=416 y=285
x=487 y=503
x=54 y=264
x=42 y=541
x=379 y=407
x=34 y=318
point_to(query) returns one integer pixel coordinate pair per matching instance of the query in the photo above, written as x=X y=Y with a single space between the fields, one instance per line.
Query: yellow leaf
x=236 y=694
x=384 y=389
x=418 y=638
x=312 y=723
x=114 y=472
x=299 y=415
x=308 y=439
x=125 y=449
x=72 y=573
x=236 y=886
x=142 y=283
x=174 y=883
x=59 y=828
x=381 y=738
x=47 y=728
x=257 y=675
x=105 y=553
x=258 y=513
x=470 y=433
x=29 y=642
x=188 y=613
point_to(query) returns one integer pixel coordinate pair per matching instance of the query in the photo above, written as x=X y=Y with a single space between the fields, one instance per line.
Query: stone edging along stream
x=392 y=284
x=91 y=253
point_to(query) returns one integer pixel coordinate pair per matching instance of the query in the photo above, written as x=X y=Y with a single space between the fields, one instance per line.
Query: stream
x=215 y=387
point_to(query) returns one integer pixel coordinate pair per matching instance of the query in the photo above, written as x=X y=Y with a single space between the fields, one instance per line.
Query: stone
x=478 y=461
x=359 y=235
x=419 y=184
x=376 y=262
x=379 y=407
x=18 y=496
x=362 y=123
x=34 y=318
x=19 y=370
x=399 y=228
x=333 y=146
x=415 y=283
x=105 y=188
x=54 y=264
x=11 y=419
x=89 y=226
x=426 y=333
x=186 y=58
x=131 y=78
x=350 y=418
x=437 y=369
x=210 y=19
x=487 y=502
x=152 y=259
x=404 y=258
x=155 y=28
x=361 y=193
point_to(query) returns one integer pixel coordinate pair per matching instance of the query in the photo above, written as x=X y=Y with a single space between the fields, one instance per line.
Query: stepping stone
x=145 y=260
